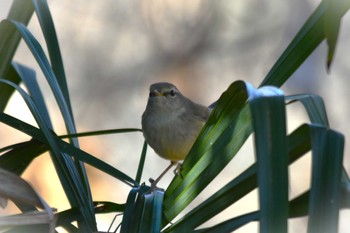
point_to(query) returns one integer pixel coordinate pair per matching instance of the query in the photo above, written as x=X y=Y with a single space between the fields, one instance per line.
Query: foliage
x=240 y=111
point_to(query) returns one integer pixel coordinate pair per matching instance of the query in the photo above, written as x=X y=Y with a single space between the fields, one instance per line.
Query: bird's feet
x=154 y=185
x=178 y=169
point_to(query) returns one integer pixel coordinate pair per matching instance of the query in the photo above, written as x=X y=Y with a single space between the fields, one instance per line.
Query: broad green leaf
x=152 y=212
x=269 y=121
x=224 y=133
x=316 y=111
x=299 y=142
x=229 y=194
x=327 y=157
x=304 y=43
x=345 y=190
x=298 y=145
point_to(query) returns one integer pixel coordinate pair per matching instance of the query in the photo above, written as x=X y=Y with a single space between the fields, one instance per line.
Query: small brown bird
x=171 y=123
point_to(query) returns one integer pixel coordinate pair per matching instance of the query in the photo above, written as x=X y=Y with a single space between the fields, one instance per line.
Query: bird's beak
x=158 y=93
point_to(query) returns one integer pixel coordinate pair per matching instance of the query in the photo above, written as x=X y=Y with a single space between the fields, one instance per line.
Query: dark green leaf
x=327 y=157
x=232 y=224
x=68 y=174
x=298 y=144
x=67 y=148
x=100 y=132
x=152 y=212
x=141 y=163
x=304 y=43
x=21 y=11
x=224 y=133
x=229 y=194
x=28 y=77
x=21 y=155
x=314 y=107
x=298 y=207
x=104 y=207
x=47 y=26
x=133 y=210
x=269 y=121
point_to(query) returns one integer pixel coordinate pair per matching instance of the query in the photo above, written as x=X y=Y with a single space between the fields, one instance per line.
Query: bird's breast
x=171 y=136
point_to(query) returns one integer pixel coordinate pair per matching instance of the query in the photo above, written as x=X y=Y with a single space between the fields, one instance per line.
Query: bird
x=171 y=123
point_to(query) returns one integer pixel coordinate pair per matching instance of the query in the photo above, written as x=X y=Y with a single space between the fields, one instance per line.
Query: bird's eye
x=152 y=94
x=172 y=93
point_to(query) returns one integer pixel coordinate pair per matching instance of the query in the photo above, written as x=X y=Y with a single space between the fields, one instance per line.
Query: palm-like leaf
x=240 y=111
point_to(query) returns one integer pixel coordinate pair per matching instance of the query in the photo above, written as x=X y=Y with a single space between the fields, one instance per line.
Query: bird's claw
x=178 y=169
x=154 y=186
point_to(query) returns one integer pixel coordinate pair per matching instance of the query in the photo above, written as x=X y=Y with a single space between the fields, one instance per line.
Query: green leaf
x=314 y=107
x=47 y=26
x=152 y=212
x=21 y=11
x=28 y=77
x=269 y=121
x=67 y=148
x=224 y=133
x=58 y=83
x=68 y=174
x=327 y=157
x=232 y=224
x=5 y=90
x=146 y=207
x=104 y=207
x=76 y=184
x=133 y=210
x=67 y=217
x=304 y=43
x=298 y=207
x=298 y=144
x=24 y=152
x=229 y=194
x=100 y=132
x=331 y=27
x=141 y=163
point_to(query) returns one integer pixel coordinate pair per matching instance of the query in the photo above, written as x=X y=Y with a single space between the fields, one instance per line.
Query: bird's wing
x=201 y=112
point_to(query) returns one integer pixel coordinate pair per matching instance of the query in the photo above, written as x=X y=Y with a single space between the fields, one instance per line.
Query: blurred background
x=113 y=50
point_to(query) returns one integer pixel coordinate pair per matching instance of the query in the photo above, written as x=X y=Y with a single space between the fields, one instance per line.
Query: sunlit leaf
x=304 y=43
